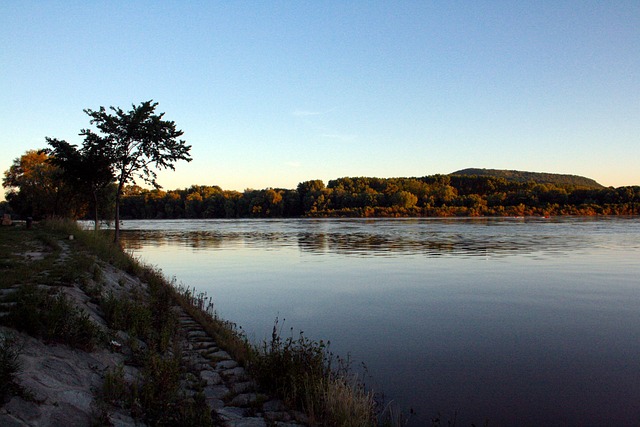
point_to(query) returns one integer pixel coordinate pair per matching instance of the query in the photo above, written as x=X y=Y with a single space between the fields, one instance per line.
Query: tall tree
x=36 y=188
x=88 y=169
x=138 y=141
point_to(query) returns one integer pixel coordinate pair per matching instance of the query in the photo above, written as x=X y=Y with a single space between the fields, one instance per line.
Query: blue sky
x=270 y=94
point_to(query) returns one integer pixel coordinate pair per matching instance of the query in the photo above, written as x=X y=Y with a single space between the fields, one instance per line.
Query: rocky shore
x=63 y=386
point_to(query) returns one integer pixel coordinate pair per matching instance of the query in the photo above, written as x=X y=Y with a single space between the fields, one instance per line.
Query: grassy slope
x=300 y=366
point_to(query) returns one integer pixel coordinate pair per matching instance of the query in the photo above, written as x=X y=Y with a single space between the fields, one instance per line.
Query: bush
x=300 y=371
x=289 y=367
x=51 y=316
x=9 y=366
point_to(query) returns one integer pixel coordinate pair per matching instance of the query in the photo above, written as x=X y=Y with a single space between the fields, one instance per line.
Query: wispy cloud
x=340 y=136
x=320 y=127
x=307 y=113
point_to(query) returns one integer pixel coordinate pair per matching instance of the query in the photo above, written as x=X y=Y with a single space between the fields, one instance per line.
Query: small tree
x=88 y=170
x=36 y=187
x=136 y=141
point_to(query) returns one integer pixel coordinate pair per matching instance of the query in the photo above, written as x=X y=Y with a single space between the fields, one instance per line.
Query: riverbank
x=92 y=337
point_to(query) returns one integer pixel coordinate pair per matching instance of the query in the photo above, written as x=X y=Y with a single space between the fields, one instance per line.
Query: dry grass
x=298 y=370
x=345 y=402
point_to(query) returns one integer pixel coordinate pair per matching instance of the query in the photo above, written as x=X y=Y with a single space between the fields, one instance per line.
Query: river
x=519 y=321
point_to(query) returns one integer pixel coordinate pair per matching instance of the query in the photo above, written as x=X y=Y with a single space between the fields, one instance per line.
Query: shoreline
x=98 y=338
x=62 y=384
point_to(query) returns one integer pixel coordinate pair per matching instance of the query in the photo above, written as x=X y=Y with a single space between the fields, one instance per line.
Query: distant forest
x=538 y=177
x=471 y=192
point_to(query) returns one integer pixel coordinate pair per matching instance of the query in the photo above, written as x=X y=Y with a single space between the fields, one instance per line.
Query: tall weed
x=9 y=365
x=53 y=317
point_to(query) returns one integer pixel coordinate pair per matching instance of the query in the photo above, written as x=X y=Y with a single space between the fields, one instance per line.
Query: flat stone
x=237 y=374
x=215 y=404
x=274 y=405
x=80 y=399
x=226 y=364
x=209 y=354
x=221 y=355
x=244 y=399
x=63 y=371
x=215 y=391
x=230 y=413
x=29 y=411
x=201 y=347
x=66 y=415
x=7 y=291
x=121 y=420
x=243 y=387
x=278 y=416
x=7 y=420
x=211 y=377
x=247 y=422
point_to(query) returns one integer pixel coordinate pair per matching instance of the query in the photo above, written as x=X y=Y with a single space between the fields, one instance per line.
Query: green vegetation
x=9 y=366
x=561 y=180
x=433 y=196
x=37 y=188
x=39 y=307
x=135 y=143
x=469 y=192
x=56 y=181
x=50 y=315
x=300 y=371
x=155 y=397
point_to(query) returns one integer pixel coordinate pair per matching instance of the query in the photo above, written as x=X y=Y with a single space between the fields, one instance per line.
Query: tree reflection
x=370 y=238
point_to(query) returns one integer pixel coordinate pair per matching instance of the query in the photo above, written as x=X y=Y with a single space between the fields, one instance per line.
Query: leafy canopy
x=137 y=140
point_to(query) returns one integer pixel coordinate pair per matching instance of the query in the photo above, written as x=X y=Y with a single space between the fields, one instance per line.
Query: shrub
x=51 y=316
x=129 y=314
x=290 y=367
x=155 y=396
x=9 y=365
x=301 y=372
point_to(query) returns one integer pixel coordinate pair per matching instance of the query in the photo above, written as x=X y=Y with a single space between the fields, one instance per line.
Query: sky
x=270 y=94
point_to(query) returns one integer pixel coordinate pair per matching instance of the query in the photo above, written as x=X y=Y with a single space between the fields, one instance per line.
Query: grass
x=16 y=268
x=155 y=396
x=307 y=376
x=300 y=371
x=9 y=366
x=226 y=334
x=50 y=315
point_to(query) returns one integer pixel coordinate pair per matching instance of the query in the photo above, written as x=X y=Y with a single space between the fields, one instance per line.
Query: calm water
x=519 y=321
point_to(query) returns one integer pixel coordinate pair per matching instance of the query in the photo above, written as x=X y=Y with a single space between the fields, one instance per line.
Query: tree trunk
x=116 y=235
x=95 y=210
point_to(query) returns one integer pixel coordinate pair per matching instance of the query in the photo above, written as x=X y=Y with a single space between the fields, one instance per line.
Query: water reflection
x=368 y=238
x=522 y=321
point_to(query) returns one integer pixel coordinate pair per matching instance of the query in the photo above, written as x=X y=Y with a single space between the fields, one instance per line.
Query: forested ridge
x=539 y=177
x=39 y=188
x=98 y=180
x=436 y=195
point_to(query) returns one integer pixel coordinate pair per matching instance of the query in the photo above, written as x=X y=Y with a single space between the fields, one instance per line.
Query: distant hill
x=539 y=177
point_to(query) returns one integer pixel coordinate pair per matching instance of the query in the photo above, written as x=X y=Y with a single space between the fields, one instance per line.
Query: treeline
x=539 y=177
x=436 y=195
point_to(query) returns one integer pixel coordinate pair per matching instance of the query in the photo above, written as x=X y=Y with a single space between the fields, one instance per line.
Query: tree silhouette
x=136 y=141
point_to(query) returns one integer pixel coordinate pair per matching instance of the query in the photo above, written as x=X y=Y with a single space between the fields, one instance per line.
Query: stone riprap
x=62 y=383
